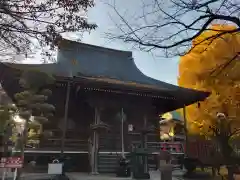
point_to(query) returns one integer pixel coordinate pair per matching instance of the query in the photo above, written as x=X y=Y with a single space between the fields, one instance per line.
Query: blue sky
x=153 y=66
x=156 y=67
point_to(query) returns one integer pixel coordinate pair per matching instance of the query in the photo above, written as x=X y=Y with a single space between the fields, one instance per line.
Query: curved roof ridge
x=153 y=80
x=65 y=42
x=47 y=68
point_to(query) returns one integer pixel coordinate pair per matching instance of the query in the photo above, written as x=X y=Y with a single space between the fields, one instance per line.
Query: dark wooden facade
x=104 y=83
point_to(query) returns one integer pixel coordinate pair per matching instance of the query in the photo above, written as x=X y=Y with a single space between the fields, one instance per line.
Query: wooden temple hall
x=103 y=104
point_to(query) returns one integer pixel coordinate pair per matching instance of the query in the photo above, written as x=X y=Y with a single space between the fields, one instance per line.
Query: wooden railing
x=70 y=144
x=155 y=147
x=110 y=142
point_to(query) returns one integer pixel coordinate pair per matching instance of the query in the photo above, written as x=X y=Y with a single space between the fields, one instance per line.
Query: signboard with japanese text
x=11 y=162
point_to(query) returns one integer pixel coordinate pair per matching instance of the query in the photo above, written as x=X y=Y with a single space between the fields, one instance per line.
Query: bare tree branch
x=172 y=25
x=25 y=23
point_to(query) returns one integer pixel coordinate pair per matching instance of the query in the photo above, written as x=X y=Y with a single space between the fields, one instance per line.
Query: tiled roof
x=105 y=65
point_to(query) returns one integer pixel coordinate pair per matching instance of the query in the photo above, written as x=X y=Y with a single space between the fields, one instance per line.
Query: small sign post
x=12 y=163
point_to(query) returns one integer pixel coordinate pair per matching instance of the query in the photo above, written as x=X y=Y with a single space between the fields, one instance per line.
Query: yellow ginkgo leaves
x=213 y=64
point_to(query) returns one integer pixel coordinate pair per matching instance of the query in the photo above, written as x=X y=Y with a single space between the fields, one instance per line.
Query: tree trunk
x=24 y=142
x=6 y=137
x=229 y=160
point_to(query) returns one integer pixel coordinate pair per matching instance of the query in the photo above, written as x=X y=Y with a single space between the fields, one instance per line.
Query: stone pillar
x=165 y=165
x=95 y=143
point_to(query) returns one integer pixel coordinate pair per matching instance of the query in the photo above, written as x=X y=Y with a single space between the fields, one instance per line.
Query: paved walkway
x=30 y=176
x=155 y=175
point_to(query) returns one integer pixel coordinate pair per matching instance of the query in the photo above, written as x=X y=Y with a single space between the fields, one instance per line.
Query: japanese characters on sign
x=11 y=162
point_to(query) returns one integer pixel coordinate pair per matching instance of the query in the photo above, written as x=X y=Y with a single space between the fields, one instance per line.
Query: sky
x=155 y=67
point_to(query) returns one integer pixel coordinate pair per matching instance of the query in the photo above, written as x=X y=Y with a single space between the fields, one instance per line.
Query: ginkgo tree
x=204 y=68
x=213 y=65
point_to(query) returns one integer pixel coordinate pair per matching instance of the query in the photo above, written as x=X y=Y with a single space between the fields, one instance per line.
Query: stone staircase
x=108 y=163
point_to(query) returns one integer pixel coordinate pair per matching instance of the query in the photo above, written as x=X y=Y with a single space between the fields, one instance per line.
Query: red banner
x=11 y=162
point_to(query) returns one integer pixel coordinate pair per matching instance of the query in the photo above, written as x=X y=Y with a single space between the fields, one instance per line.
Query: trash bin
x=139 y=163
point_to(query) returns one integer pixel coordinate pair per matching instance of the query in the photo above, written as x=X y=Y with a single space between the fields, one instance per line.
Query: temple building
x=103 y=103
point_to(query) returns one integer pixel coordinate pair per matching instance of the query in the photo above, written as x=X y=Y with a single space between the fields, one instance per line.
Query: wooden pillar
x=185 y=129
x=65 y=120
x=95 y=144
x=145 y=139
x=122 y=134
x=145 y=127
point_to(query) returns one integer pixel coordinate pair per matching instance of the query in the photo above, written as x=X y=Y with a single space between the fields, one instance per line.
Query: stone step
x=107 y=163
